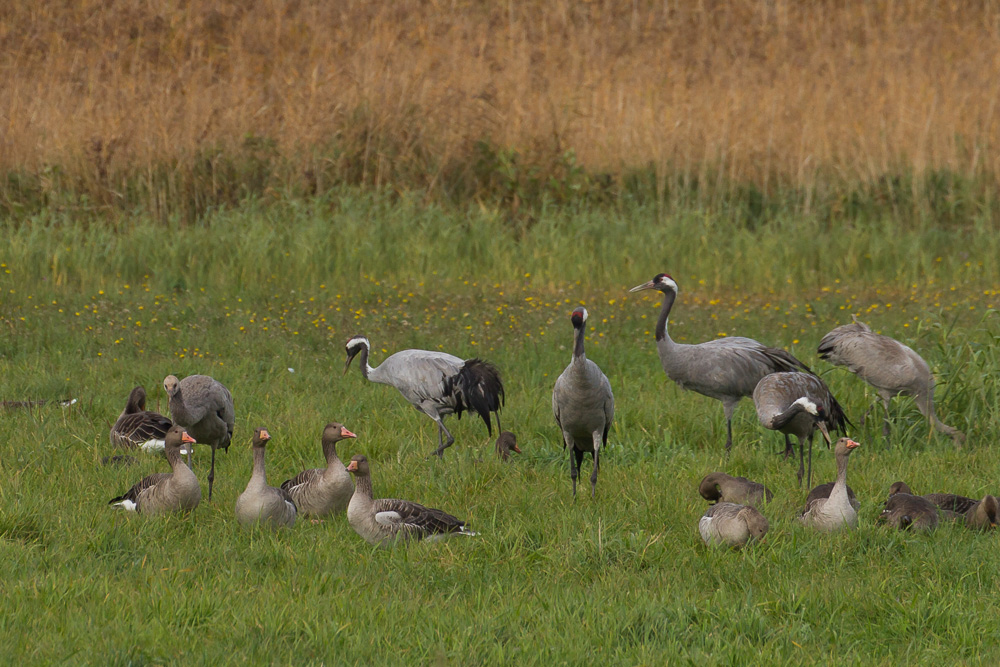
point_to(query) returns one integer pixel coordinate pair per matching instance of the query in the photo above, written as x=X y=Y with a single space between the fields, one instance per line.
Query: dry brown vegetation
x=138 y=102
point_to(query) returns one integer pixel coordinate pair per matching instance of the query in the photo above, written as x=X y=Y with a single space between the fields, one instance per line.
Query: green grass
x=620 y=579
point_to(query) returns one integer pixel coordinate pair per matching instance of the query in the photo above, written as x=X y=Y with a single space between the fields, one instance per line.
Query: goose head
x=845 y=446
x=136 y=401
x=260 y=436
x=335 y=432
x=661 y=282
x=354 y=345
x=991 y=509
x=358 y=465
x=177 y=438
x=507 y=443
x=709 y=487
x=899 y=487
x=756 y=522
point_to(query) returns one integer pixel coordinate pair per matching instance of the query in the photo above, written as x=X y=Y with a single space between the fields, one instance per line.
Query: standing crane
x=726 y=369
x=796 y=403
x=583 y=405
x=435 y=383
x=889 y=366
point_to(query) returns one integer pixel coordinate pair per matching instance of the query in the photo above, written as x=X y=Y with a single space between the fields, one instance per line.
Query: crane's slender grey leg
x=810 y=477
x=211 y=476
x=885 y=424
x=789 y=450
x=442 y=431
x=802 y=467
x=598 y=436
x=730 y=408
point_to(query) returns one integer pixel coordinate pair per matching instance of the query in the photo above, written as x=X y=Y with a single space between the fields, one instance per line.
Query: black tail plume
x=480 y=389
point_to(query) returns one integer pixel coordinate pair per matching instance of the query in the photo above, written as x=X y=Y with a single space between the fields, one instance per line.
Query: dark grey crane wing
x=728 y=367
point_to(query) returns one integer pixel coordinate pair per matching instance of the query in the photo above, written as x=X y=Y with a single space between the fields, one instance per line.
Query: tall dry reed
x=114 y=95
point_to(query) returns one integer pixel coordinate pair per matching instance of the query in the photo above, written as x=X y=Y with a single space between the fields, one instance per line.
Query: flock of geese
x=788 y=397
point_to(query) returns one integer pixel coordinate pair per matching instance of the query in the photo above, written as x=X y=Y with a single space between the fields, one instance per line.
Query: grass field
x=263 y=298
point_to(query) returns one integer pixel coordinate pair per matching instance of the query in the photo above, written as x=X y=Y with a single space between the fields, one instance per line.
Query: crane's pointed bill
x=638 y=288
x=822 y=429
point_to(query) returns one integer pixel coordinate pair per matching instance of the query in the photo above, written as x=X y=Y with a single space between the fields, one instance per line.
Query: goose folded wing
x=405 y=513
x=143 y=426
x=147 y=482
x=303 y=477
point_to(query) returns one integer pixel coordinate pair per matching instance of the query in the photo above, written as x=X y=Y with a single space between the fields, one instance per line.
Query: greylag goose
x=175 y=491
x=138 y=427
x=435 y=383
x=261 y=503
x=583 y=405
x=949 y=502
x=796 y=403
x=905 y=511
x=385 y=521
x=984 y=514
x=886 y=364
x=824 y=491
x=321 y=491
x=732 y=524
x=723 y=488
x=726 y=369
x=836 y=511
x=507 y=443
x=204 y=407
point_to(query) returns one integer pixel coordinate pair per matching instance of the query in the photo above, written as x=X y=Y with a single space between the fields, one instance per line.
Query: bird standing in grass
x=204 y=407
x=886 y=364
x=435 y=383
x=726 y=369
x=583 y=405
x=796 y=403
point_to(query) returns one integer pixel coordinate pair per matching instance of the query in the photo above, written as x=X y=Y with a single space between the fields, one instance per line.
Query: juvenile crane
x=726 y=369
x=796 y=403
x=886 y=364
x=583 y=405
x=437 y=384
x=204 y=407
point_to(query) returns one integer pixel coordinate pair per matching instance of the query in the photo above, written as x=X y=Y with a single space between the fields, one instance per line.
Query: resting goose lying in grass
x=321 y=491
x=731 y=524
x=386 y=520
x=175 y=491
x=836 y=511
x=723 y=488
x=261 y=503
x=138 y=427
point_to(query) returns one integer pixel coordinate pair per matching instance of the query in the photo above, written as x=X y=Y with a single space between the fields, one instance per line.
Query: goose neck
x=259 y=476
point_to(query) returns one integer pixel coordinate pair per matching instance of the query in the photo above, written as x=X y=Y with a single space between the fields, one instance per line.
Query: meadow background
x=213 y=187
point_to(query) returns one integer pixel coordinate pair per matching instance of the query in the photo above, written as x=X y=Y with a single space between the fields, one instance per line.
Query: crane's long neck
x=578 y=353
x=178 y=409
x=366 y=370
x=661 y=323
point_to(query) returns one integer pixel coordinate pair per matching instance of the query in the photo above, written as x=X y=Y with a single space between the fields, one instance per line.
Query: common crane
x=726 y=369
x=583 y=405
x=204 y=407
x=889 y=366
x=436 y=383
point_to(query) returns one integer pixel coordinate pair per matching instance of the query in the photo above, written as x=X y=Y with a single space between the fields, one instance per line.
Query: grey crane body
x=723 y=488
x=797 y=403
x=165 y=492
x=321 y=491
x=435 y=383
x=204 y=407
x=260 y=503
x=732 y=525
x=889 y=366
x=726 y=369
x=836 y=511
x=583 y=405
x=137 y=427
x=909 y=512
x=387 y=521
